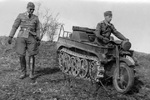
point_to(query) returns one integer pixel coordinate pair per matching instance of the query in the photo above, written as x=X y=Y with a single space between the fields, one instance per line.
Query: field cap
x=30 y=5
x=108 y=13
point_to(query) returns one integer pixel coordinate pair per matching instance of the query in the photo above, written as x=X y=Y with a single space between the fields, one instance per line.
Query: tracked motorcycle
x=81 y=57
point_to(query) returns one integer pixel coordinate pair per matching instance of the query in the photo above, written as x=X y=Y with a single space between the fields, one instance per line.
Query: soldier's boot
x=23 y=67
x=31 y=66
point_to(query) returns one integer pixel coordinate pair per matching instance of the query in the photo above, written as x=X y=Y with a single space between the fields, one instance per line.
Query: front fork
x=117 y=60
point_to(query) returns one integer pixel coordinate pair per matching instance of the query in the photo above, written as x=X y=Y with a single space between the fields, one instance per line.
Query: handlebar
x=125 y=45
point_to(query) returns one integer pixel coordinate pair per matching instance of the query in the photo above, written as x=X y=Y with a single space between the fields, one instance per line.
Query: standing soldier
x=28 y=38
x=105 y=28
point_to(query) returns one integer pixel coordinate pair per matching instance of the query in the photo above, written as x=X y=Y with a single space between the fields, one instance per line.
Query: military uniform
x=27 y=25
x=27 y=38
x=104 y=30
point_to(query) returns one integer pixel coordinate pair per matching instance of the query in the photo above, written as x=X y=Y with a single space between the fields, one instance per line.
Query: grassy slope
x=51 y=83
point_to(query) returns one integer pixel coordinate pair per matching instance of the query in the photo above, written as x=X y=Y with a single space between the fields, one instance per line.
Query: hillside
x=52 y=84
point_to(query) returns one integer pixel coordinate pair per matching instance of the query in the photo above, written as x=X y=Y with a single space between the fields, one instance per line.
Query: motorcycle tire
x=123 y=82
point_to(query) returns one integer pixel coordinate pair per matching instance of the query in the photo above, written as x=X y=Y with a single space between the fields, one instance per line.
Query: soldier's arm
x=15 y=26
x=38 y=28
x=98 y=30
x=117 y=34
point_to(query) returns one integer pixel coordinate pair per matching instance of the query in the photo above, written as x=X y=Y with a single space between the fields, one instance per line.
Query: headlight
x=126 y=45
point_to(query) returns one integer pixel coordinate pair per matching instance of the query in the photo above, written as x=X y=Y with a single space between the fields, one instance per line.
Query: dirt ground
x=52 y=84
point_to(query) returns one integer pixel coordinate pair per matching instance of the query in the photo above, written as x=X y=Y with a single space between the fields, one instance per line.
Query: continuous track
x=80 y=65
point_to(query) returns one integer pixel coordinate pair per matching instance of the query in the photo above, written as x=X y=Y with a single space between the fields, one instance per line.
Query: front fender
x=128 y=60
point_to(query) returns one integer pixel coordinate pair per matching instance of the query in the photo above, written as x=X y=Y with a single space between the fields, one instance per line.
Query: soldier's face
x=30 y=10
x=108 y=18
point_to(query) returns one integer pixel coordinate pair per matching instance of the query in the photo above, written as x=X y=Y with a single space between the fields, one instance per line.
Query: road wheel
x=84 y=68
x=60 y=60
x=66 y=63
x=123 y=79
x=93 y=70
x=74 y=67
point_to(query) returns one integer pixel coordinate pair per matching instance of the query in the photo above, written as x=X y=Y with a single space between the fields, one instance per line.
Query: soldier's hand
x=106 y=40
x=127 y=40
x=38 y=43
x=9 y=40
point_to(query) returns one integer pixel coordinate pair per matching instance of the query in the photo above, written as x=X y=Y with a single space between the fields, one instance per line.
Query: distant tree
x=48 y=22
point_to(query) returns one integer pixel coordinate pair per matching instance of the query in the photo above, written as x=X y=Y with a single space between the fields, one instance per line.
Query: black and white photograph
x=74 y=50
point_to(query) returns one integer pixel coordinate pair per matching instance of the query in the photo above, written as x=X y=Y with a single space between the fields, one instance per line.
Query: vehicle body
x=79 y=56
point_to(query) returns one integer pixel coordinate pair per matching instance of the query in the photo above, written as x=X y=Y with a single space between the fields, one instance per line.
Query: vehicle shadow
x=46 y=71
x=138 y=84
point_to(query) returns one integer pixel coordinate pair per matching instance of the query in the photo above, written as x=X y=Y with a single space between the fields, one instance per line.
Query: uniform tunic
x=104 y=30
x=29 y=28
x=26 y=24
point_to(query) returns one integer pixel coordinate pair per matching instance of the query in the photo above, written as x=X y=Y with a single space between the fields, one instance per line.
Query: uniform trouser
x=99 y=41
x=23 y=64
x=31 y=64
x=102 y=42
x=30 y=45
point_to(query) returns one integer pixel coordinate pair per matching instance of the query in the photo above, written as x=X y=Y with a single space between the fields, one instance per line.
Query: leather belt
x=29 y=29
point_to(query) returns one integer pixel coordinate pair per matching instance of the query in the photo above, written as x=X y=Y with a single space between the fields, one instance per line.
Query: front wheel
x=123 y=79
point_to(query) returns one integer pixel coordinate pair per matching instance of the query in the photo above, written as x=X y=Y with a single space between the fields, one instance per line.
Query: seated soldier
x=104 y=30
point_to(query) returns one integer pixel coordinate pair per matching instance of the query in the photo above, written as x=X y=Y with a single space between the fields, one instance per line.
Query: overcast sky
x=130 y=17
